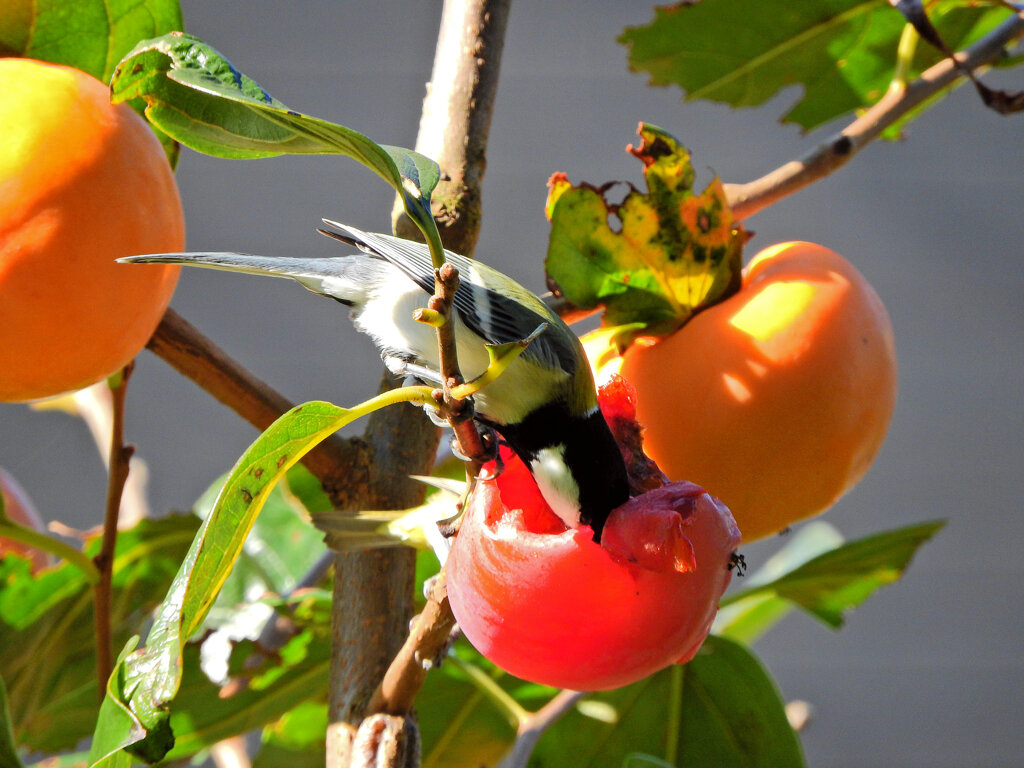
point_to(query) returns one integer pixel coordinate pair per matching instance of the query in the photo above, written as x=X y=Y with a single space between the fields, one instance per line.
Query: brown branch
x=835 y=152
x=339 y=464
x=117 y=476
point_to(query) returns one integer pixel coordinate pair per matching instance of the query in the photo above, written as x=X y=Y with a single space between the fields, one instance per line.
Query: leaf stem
x=747 y=199
x=905 y=51
x=117 y=476
x=511 y=709
x=535 y=724
x=15 y=531
x=673 y=719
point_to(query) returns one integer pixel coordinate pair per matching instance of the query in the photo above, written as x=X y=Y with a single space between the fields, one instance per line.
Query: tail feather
x=344 y=278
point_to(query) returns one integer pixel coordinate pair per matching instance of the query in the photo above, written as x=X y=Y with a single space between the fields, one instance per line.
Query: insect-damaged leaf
x=674 y=251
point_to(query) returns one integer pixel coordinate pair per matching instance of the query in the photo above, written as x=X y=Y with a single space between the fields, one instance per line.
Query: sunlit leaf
x=280 y=548
x=150 y=678
x=746 y=619
x=674 y=251
x=90 y=35
x=196 y=95
x=832 y=583
x=841 y=52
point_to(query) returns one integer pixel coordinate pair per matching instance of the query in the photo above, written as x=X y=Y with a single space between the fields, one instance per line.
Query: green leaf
x=842 y=52
x=198 y=97
x=90 y=35
x=280 y=548
x=720 y=709
x=676 y=251
x=834 y=582
x=47 y=644
x=8 y=747
x=746 y=619
x=152 y=676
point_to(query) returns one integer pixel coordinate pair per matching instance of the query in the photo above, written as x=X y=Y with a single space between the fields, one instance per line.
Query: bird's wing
x=493 y=316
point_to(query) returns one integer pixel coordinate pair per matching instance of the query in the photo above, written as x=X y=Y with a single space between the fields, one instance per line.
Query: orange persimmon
x=777 y=399
x=82 y=182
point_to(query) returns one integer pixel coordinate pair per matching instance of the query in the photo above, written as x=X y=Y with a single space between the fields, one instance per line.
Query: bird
x=544 y=406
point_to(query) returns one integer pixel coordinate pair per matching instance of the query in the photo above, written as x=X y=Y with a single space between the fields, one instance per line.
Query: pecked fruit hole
x=551 y=606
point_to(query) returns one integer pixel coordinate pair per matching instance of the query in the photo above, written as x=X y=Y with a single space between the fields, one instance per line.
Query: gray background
x=929 y=672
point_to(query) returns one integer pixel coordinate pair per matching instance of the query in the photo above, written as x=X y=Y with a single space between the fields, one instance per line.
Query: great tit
x=544 y=405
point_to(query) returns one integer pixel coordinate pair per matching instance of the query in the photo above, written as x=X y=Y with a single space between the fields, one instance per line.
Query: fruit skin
x=19 y=508
x=777 y=399
x=82 y=182
x=551 y=606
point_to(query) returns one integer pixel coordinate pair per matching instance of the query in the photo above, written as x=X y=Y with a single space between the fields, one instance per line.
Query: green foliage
x=134 y=711
x=676 y=251
x=194 y=94
x=842 y=52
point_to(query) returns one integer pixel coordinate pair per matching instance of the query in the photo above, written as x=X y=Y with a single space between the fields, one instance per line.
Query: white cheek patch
x=556 y=484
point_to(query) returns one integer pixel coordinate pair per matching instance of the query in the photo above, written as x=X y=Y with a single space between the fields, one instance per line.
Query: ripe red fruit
x=551 y=606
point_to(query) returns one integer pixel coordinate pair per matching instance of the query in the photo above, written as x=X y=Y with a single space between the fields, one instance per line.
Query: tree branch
x=835 y=152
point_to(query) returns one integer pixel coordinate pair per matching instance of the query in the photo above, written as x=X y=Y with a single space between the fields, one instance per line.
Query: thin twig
x=534 y=726
x=458 y=412
x=431 y=631
x=117 y=476
x=747 y=199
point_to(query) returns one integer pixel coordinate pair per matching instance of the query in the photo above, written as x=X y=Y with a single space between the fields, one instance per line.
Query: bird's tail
x=344 y=278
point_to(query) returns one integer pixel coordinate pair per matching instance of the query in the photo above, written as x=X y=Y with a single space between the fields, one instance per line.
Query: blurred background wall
x=930 y=672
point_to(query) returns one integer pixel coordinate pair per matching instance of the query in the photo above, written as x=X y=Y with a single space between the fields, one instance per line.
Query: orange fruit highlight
x=777 y=399
x=82 y=182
